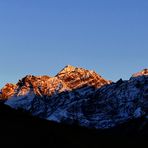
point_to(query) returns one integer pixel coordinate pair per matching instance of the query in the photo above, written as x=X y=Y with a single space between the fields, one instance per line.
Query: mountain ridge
x=66 y=77
x=76 y=95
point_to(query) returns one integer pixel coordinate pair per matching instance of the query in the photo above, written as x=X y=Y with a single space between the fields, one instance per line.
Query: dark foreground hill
x=18 y=128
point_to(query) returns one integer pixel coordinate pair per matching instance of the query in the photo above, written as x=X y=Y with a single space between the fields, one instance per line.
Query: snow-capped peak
x=69 y=78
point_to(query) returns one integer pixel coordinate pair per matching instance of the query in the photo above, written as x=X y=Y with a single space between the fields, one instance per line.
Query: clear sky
x=42 y=36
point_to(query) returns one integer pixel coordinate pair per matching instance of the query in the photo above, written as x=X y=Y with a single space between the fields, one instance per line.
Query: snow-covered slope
x=80 y=96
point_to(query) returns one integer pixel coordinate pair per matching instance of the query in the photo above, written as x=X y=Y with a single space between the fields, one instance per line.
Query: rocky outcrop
x=8 y=91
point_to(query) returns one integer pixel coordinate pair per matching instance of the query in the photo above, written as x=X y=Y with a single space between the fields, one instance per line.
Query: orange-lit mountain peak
x=8 y=91
x=76 y=77
x=69 y=78
x=66 y=69
x=141 y=73
x=145 y=71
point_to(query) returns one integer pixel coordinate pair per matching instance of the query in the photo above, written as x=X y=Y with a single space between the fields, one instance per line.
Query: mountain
x=81 y=97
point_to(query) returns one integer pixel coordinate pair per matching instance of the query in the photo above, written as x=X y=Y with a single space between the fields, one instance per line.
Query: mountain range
x=80 y=97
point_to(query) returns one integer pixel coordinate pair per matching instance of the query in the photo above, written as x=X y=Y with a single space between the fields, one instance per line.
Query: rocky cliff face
x=80 y=96
x=7 y=91
x=79 y=77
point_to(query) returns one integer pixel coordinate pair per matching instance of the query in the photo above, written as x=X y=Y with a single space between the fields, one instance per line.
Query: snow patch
x=24 y=102
x=138 y=112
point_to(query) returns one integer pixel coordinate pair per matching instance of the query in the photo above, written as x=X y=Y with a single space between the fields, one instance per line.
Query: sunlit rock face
x=8 y=91
x=144 y=72
x=40 y=85
x=77 y=95
x=78 y=77
x=68 y=79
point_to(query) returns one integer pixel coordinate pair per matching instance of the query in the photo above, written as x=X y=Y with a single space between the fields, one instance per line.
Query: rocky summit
x=79 y=96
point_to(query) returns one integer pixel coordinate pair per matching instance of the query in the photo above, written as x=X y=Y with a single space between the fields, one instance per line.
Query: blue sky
x=42 y=36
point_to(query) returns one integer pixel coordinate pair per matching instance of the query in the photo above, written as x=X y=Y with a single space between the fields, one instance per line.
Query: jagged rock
x=8 y=91
x=78 y=77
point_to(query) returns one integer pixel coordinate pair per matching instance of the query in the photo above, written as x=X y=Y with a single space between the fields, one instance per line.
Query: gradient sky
x=42 y=36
